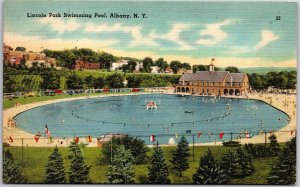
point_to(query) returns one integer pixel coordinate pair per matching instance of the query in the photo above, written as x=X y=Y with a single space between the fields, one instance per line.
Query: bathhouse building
x=213 y=82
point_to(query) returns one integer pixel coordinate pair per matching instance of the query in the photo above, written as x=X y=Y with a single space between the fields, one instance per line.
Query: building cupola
x=212 y=66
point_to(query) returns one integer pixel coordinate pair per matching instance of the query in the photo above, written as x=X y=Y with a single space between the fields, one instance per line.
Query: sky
x=235 y=34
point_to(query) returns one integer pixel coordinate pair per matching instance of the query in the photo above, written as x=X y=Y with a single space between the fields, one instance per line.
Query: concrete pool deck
x=285 y=103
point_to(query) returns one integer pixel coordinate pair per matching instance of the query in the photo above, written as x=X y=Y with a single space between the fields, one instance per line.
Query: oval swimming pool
x=203 y=117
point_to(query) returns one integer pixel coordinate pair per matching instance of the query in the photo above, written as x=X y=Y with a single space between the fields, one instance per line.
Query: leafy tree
x=90 y=81
x=136 y=146
x=147 y=63
x=20 y=49
x=12 y=173
x=186 y=66
x=243 y=164
x=284 y=172
x=232 y=69
x=180 y=156
x=9 y=84
x=67 y=59
x=79 y=171
x=99 y=82
x=175 y=66
x=121 y=170
x=158 y=169
x=256 y=81
x=134 y=81
x=200 y=68
x=106 y=59
x=131 y=66
x=55 y=171
x=74 y=82
x=209 y=171
x=162 y=64
x=227 y=163
x=51 y=80
x=115 y=81
x=274 y=145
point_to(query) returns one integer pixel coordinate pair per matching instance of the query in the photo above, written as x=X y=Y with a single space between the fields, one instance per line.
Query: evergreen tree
x=158 y=169
x=243 y=164
x=79 y=171
x=209 y=171
x=227 y=163
x=274 y=146
x=180 y=157
x=55 y=171
x=284 y=172
x=12 y=173
x=121 y=170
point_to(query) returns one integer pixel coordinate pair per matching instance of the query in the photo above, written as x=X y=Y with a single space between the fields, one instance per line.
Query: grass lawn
x=35 y=160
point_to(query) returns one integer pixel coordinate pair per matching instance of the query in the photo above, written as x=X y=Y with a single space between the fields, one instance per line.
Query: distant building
x=81 y=64
x=169 y=71
x=118 y=64
x=155 y=69
x=213 y=83
x=15 y=57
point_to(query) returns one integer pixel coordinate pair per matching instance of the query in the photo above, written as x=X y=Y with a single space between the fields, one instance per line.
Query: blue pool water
x=128 y=114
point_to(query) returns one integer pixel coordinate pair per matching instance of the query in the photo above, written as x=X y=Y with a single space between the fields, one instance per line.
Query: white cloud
x=213 y=30
x=60 y=25
x=138 y=39
x=36 y=43
x=266 y=37
x=135 y=31
x=174 y=35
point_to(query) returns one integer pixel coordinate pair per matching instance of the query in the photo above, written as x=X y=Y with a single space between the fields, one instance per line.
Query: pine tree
x=79 y=171
x=180 y=156
x=227 y=163
x=158 y=169
x=121 y=170
x=209 y=171
x=274 y=146
x=243 y=164
x=12 y=173
x=55 y=171
x=284 y=172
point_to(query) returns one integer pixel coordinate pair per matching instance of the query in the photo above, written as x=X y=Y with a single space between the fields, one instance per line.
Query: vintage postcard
x=149 y=92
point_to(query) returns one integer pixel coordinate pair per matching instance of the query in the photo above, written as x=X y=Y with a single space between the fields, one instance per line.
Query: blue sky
x=240 y=34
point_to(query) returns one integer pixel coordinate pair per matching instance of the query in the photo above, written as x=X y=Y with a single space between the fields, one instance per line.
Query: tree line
x=122 y=154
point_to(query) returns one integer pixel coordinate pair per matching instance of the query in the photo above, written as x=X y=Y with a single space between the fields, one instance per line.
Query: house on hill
x=213 y=83
x=81 y=64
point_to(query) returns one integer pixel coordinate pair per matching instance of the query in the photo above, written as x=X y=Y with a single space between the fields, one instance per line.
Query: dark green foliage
x=51 y=80
x=232 y=69
x=74 y=81
x=79 y=171
x=243 y=164
x=274 y=146
x=115 y=81
x=284 y=172
x=147 y=63
x=209 y=171
x=136 y=146
x=121 y=170
x=158 y=169
x=12 y=173
x=55 y=171
x=162 y=64
x=134 y=81
x=227 y=163
x=175 y=66
x=180 y=156
x=231 y=143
